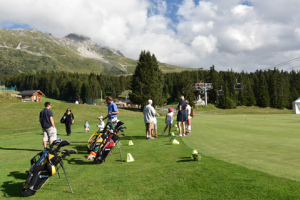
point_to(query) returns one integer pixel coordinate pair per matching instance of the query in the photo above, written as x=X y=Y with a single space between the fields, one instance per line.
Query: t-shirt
x=154 y=119
x=45 y=118
x=86 y=126
x=149 y=111
x=170 y=116
x=188 y=107
x=112 y=107
x=101 y=126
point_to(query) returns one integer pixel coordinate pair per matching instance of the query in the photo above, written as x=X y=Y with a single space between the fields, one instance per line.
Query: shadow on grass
x=75 y=161
x=15 y=149
x=132 y=109
x=81 y=149
x=13 y=189
x=134 y=138
x=185 y=159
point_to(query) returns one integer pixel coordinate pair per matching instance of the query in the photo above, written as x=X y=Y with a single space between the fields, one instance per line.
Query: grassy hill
x=31 y=50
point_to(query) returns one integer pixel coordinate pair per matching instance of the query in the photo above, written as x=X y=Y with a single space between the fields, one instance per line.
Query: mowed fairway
x=270 y=143
x=228 y=170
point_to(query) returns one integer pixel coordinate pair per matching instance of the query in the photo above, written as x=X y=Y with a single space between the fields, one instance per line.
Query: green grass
x=239 y=161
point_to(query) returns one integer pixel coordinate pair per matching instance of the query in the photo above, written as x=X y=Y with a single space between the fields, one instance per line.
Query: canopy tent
x=296 y=106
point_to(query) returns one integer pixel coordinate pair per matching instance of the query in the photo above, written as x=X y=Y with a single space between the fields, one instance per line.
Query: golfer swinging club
x=112 y=110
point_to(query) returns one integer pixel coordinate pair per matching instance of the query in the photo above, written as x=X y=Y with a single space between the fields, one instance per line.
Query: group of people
x=49 y=130
x=183 y=119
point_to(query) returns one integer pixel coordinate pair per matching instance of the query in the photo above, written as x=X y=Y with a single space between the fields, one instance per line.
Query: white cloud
x=224 y=33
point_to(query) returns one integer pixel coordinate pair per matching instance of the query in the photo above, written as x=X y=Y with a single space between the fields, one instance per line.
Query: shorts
x=151 y=125
x=87 y=129
x=154 y=127
x=169 y=122
x=49 y=134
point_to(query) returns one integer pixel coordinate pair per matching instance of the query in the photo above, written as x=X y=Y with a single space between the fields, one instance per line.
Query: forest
x=268 y=88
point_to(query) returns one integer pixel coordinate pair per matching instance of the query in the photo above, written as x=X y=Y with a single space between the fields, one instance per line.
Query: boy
x=86 y=126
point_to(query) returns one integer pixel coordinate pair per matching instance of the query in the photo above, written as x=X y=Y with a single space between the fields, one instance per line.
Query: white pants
x=187 y=126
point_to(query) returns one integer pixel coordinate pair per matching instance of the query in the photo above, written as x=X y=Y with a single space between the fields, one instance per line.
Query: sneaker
x=183 y=134
x=162 y=133
x=169 y=134
x=155 y=136
x=179 y=135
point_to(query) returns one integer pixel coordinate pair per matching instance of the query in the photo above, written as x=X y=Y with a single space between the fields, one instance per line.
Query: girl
x=169 y=120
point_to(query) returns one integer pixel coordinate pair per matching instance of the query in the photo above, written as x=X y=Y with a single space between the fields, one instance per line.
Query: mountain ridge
x=32 y=50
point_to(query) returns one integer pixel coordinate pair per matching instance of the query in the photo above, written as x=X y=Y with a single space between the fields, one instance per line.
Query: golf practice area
x=244 y=156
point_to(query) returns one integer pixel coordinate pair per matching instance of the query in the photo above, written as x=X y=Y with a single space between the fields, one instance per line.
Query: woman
x=69 y=121
x=181 y=116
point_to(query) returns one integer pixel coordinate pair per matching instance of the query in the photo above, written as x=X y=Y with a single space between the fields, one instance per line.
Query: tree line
x=268 y=88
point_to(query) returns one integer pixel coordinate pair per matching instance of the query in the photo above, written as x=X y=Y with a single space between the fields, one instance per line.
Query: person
x=69 y=121
x=86 y=126
x=188 y=118
x=101 y=123
x=181 y=116
x=112 y=110
x=169 y=120
x=149 y=113
x=47 y=123
x=154 y=127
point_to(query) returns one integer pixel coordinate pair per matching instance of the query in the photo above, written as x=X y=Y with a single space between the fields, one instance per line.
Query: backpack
x=192 y=112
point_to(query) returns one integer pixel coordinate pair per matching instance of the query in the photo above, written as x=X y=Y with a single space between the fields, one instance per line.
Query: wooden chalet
x=31 y=95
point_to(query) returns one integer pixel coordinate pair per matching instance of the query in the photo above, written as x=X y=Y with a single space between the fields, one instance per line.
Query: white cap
x=100 y=117
x=149 y=101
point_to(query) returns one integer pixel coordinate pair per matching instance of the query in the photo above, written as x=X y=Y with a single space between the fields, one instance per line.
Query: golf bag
x=44 y=165
x=109 y=140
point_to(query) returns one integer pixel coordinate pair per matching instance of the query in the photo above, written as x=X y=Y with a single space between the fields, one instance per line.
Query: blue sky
x=238 y=34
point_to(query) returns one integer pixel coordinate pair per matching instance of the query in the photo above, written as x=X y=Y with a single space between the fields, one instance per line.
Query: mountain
x=31 y=50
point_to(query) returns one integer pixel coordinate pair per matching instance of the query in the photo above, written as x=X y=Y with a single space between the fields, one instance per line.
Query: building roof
x=30 y=92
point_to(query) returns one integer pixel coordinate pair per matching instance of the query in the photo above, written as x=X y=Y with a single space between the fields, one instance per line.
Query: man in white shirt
x=149 y=113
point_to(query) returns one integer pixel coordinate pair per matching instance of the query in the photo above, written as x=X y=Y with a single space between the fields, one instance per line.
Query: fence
x=94 y=101
x=7 y=89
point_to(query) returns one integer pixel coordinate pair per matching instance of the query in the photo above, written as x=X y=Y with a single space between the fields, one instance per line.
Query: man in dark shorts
x=47 y=123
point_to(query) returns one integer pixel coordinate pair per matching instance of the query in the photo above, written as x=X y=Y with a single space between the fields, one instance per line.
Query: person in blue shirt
x=112 y=110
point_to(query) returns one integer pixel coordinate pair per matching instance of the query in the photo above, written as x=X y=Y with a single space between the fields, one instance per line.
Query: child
x=169 y=120
x=101 y=123
x=86 y=126
x=154 y=126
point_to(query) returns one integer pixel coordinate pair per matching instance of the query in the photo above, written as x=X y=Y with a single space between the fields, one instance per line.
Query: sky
x=233 y=34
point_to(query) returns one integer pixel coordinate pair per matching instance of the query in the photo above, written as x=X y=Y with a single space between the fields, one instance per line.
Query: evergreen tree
x=263 y=99
x=147 y=81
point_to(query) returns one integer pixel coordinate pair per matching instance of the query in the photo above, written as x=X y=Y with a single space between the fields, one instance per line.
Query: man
x=149 y=113
x=47 y=123
x=112 y=110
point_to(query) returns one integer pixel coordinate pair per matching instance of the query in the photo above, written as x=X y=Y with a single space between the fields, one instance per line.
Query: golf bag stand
x=62 y=166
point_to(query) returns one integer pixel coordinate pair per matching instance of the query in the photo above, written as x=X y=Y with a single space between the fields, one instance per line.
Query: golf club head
x=64 y=143
x=57 y=141
x=72 y=151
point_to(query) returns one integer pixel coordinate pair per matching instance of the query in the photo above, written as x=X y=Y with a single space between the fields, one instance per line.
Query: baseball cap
x=170 y=110
x=100 y=117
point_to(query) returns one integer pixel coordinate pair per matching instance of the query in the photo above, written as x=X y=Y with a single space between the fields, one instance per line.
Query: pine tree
x=147 y=81
x=263 y=99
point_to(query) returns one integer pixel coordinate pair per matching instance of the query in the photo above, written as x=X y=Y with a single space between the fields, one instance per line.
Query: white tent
x=296 y=106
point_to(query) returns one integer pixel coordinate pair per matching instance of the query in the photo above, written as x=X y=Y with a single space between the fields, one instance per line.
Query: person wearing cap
x=169 y=120
x=101 y=123
x=112 y=110
x=149 y=113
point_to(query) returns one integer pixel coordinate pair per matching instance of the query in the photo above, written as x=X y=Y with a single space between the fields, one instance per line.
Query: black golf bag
x=44 y=165
x=109 y=141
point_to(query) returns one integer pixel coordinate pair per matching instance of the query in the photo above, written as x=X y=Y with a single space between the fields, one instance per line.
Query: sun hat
x=100 y=117
x=170 y=110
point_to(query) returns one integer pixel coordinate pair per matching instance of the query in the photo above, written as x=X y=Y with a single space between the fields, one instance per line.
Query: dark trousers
x=68 y=127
